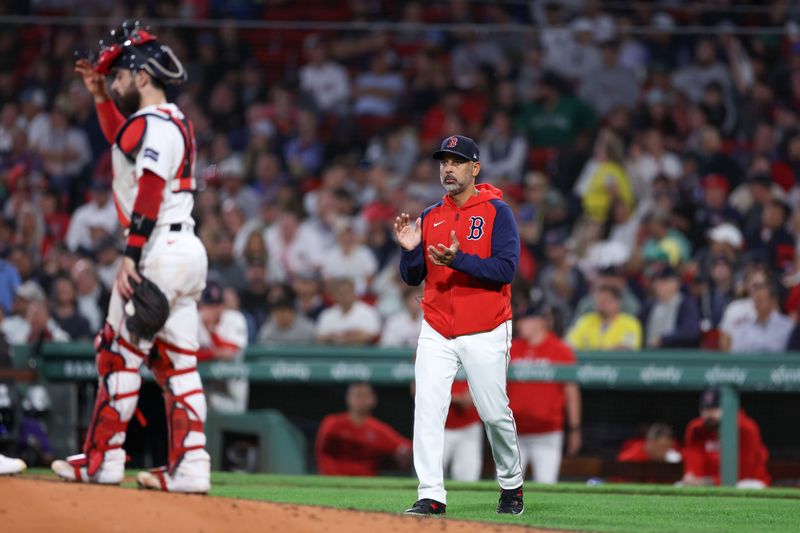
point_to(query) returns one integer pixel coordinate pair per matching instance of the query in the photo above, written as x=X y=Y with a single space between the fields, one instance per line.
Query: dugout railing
x=654 y=370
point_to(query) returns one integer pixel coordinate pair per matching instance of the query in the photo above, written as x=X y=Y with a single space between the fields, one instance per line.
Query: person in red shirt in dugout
x=539 y=407
x=463 y=436
x=354 y=443
x=701 y=451
x=658 y=445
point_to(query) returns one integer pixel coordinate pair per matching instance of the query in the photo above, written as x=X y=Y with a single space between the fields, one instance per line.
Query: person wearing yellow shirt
x=605 y=178
x=607 y=328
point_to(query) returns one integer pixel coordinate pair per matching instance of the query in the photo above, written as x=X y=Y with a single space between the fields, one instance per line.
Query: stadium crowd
x=654 y=176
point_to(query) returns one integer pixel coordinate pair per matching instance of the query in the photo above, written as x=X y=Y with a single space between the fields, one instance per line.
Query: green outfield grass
x=608 y=508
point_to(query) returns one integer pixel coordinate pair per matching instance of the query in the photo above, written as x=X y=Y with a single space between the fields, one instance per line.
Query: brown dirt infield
x=38 y=506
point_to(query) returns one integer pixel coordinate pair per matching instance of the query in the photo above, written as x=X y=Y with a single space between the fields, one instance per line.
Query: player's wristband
x=140 y=229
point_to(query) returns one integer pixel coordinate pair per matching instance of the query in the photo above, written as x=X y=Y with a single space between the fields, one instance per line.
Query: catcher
x=153 y=315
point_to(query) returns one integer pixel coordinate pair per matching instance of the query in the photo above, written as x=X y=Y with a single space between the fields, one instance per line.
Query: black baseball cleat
x=426 y=506
x=511 y=502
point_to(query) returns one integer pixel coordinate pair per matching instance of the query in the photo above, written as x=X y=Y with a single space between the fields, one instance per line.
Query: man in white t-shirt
x=326 y=81
x=349 y=321
x=223 y=337
x=350 y=258
x=94 y=219
x=403 y=327
x=742 y=311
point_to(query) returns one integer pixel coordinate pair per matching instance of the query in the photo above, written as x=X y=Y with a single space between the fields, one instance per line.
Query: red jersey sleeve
x=326 y=464
x=694 y=455
x=389 y=440
x=752 y=452
x=111 y=120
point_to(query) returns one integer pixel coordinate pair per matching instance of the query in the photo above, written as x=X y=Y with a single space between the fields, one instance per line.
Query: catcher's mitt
x=147 y=310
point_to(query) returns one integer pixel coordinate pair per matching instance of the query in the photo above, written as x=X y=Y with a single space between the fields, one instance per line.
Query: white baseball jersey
x=231 y=333
x=157 y=138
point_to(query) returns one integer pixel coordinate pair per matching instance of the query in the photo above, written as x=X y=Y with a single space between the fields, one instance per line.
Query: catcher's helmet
x=134 y=47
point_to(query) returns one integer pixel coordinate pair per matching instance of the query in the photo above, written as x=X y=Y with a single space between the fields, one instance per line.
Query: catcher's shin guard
x=103 y=460
x=175 y=370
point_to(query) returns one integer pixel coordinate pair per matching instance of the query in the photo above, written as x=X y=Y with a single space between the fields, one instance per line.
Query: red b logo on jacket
x=452 y=142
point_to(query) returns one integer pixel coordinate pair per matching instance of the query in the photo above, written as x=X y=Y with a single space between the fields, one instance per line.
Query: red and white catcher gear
x=188 y=467
x=103 y=460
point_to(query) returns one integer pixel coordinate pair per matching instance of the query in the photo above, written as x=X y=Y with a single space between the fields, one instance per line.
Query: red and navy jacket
x=473 y=294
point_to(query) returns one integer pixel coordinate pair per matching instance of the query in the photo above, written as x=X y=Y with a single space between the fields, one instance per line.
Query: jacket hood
x=486 y=193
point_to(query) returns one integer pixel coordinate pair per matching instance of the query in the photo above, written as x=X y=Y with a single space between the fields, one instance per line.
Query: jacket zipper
x=452 y=307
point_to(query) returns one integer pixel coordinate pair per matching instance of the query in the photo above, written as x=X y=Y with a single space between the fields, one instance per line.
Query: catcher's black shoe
x=511 y=502
x=426 y=506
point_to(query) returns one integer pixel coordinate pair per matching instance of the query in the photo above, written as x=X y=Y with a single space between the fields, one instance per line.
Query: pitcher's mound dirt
x=37 y=506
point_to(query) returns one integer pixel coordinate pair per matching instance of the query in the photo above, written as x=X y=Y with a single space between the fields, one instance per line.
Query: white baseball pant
x=484 y=357
x=463 y=452
x=176 y=261
x=543 y=450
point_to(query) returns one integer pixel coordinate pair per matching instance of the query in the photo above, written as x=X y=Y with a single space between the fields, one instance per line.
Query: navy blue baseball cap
x=537 y=308
x=212 y=295
x=460 y=146
x=710 y=399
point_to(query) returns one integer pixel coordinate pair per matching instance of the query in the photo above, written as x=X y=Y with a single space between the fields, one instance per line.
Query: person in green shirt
x=554 y=118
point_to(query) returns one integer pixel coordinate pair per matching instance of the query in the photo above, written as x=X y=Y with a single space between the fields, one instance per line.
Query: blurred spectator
x=355 y=443
x=610 y=276
x=648 y=159
x=221 y=262
x=604 y=179
x=65 y=152
x=463 y=436
x=772 y=242
x=350 y=258
x=701 y=448
x=108 y=258
x=561 y=281
x=662 y=242
x=30 y=321
x=741 y=310
x=293 y=249
x=223 y=337
x=65 y=310
x=539 y=408
x=503 y=152
x=768 y=330
x=396 y=151
x=693 y=78
x=672 y=320
x=553 y=119
x=303 y=152
x=377 y=92
x=232 y=176
x=715 y=294
x=324 y=80
x=348 y=321
x=607 y=328
x=714 y=209
x=402 y=328
x=715 y=160
x=91 y=297
x=310 y=301
x=93 y=220
x=9 y=281
x=658 y=445
x=609 y=85
x=286 y=325
x=253 y=297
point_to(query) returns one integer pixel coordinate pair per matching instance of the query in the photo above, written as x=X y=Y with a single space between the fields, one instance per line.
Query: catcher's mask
x=134 y=47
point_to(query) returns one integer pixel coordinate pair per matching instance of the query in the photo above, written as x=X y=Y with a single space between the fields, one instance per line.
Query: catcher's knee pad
x=184 y=400
x=117 y=394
